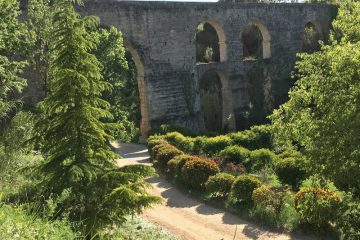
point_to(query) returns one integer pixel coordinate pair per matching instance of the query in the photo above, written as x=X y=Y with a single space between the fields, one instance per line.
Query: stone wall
x=161 y=35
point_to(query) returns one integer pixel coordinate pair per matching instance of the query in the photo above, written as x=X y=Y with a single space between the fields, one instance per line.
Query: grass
x=16 y=224
x=137 y=228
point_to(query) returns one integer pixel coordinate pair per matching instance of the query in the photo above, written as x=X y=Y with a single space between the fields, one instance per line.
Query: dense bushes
x=317 y=206
x=195 y=173
x=180 y=141
x=214 y=145
x=164 y=153
x=235 y=154
x=349 y=221
x=290 y=171
x=261 y=158
x=255 y=138
x=243 y=188
x=175 y=165
x=220 y=184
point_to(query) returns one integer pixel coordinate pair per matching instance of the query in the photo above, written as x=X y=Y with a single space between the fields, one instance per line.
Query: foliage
x=208 y=54
x=165 y=154
x=317 y=206
x=136 y=228
x=235 y=154
x=349 y=221
x=154 y=141
x=257 y=137
x=220 y=184
x=212 y=146
x=175 y=165
x=243 y=187
x=119 y=70
x=266 y=195
x=17 y=224
x=315 y=117
x=234 y=169
x=79 y=171
x=290 y=171
x=261 y=158
x=180 y=141
x=11 y=38
x=195 y=173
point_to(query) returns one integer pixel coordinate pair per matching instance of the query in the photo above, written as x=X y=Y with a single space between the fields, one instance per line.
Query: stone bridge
x=161 y=37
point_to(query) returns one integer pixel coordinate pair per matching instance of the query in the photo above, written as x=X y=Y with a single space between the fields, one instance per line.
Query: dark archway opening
x=252 y=40
x=211 y=100
x=310 y=38
x=207 y=44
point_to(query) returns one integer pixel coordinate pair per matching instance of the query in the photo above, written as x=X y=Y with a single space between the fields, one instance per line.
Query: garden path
x=186 y=217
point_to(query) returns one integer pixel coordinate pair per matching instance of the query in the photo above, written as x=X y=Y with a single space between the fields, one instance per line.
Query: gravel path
x=186 y=217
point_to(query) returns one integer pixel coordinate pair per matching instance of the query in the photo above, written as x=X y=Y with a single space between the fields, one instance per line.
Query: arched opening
x=311 y=36
x=256 y=41
x=210 y=43
x=137 y=66
x=211 y=101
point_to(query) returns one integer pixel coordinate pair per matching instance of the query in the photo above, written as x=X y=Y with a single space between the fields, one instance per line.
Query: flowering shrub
x=317 y=206
x=243 y=188
x=195 y=173
x=220 y=184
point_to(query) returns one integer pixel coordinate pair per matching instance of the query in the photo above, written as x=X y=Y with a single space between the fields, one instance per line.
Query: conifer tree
x=79 y=168
x=11 y=36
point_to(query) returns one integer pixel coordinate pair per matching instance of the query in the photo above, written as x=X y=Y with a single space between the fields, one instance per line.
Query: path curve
x=186 y=217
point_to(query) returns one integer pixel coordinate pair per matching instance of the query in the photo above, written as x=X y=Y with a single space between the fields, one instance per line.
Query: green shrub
x=199 y=143
x=195 y=173
x=290 y=171
x=349 y=221
x=220 y=184
x=154 y=141
x=255 y=138
x=260 y=159
x=317 y=206
x=235 y=154
x=165 y=153
x=156 y=149
x=243 y=188
x=213 y=146
x=180 y=141
x=175 y=165
x=266 y=195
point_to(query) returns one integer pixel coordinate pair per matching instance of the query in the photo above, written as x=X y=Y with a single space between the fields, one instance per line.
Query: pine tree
x=79 y=168
x=11 y=36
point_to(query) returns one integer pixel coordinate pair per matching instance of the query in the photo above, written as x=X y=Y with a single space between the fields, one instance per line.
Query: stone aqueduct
x=160 y=38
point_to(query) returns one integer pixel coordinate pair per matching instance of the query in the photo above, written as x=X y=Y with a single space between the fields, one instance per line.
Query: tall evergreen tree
x=11 y=36
x=79 y=166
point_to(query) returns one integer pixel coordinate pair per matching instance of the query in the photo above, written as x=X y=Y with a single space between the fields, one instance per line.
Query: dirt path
x=186 y=217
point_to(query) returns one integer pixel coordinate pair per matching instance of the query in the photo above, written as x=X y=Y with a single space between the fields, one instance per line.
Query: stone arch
x=140 y=76
x=266 y=38
x=221 y=39
x=226 y=120
x=312 y=34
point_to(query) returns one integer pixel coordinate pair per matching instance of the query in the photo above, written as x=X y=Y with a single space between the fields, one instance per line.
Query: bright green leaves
x=323 y=114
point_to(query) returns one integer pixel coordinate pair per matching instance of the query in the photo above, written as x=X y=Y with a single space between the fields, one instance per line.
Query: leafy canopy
x=322 y=116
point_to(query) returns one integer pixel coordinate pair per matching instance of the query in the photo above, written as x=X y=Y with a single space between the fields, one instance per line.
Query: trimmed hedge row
x=255 y=138
x=225 y=177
